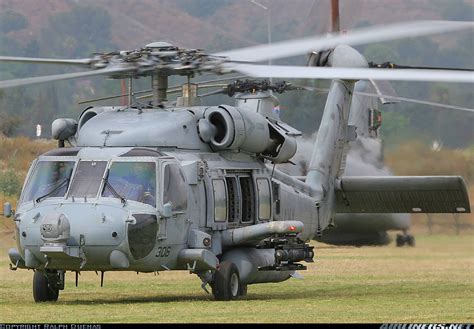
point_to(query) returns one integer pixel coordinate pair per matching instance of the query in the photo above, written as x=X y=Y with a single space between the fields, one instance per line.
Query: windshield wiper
x=60 y=183
x=111 y=188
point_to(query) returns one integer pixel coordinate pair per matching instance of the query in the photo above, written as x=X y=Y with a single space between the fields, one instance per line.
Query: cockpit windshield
x=87 y=179
x=49 y=179
x=132 y=181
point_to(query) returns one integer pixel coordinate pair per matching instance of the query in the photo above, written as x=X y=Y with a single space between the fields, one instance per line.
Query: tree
x=12 y=21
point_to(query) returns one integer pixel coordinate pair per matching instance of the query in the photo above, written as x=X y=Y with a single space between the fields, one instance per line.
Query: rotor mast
x=159 y=85
x=159 y=81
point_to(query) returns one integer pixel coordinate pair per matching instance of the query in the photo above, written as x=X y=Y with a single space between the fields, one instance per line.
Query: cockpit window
x=132 y=181
x=87 y=179
x=49 y=178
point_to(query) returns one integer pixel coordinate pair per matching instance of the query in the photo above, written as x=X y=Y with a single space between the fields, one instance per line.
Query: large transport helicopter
x=162 y=186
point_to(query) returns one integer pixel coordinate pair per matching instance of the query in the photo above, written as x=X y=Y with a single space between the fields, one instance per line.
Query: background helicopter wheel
x=43 y=291
x=401 y=240
x=227 y=285
x=410 y=240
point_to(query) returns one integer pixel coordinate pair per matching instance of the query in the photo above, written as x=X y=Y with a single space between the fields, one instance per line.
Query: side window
x=248 y=199
x=174 y=187
x=220 y=200
x=264 y=199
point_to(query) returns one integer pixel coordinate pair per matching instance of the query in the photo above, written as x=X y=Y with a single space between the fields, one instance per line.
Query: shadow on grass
x=342 y=293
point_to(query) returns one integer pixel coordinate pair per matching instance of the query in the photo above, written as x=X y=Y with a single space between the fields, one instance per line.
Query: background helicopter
x=151 y=187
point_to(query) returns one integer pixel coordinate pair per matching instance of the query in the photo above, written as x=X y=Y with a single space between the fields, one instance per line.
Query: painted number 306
x=163 y=252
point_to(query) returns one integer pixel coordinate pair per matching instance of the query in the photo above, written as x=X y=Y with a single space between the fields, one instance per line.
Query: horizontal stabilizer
x=402 y=194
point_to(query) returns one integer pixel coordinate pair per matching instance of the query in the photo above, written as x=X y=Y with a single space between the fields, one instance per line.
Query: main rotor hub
x=253 y=86
x=160 y=58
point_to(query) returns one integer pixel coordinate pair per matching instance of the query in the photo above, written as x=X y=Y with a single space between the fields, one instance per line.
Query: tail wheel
x=227 y=285
x=43 y=291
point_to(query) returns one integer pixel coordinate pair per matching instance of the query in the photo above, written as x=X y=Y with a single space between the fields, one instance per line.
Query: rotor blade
x=114 y=96
x=80 y=62
x=50 y=78
x=411 y=100
x=352 y=38
x=304 y=72
x=391 y=97
x=214 y=92
x=384 y=88
x=238 y=77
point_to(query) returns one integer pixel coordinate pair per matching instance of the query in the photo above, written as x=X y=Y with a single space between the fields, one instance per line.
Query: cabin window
x=87 y=179
x=248 y=199
x=49 y=178
x=234 y=200
x=220 y=200
x=264 y=199
x=174 y=188
x=132 y=181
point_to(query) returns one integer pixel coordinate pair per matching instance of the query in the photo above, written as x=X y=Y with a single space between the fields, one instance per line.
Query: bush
x=10 y=183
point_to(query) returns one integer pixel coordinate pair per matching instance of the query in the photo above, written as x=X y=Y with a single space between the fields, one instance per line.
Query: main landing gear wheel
x=227 y=285
x=403 y=239
x=43 y=290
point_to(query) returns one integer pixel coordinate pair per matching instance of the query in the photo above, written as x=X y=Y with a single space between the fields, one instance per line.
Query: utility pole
x=335 y=27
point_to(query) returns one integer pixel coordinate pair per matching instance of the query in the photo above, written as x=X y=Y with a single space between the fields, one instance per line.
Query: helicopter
x=364 y=157
x=169 y=186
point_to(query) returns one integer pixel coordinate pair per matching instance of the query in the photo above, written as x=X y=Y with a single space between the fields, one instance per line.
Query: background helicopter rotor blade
x=302 y=72
x=214 y=92
x=353 y=38
x=390 y=97
x=411 y=100
x=172 y=89
x=79 y=62
x=50 y=78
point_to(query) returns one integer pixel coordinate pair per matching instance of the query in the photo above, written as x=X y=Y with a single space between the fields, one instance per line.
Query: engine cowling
x=229 y=128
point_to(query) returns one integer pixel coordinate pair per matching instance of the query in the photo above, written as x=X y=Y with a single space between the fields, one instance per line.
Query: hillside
x=76 y=29
x=241 y=23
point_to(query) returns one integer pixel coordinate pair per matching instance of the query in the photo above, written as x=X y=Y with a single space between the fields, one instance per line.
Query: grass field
x=432 y=282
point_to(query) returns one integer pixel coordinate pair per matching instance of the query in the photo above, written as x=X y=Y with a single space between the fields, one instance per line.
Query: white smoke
x=365 y=158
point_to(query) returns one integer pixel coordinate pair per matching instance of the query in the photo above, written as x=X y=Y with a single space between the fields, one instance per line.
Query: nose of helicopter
x=73 y=237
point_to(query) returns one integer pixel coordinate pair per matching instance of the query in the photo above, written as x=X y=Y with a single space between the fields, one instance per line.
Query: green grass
x=432 y=282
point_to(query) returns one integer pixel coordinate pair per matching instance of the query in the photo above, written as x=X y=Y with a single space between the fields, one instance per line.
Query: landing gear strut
x=405 y=238
x=46 y=285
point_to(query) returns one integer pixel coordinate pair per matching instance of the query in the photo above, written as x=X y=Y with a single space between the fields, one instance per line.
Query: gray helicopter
x=364 y=158
x=164 y=186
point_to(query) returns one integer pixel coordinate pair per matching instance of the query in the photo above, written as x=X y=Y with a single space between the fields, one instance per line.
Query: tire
x=411 y=240
x=42 y=290
x=226 y=285
x=400 y=240
x=243 y=290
